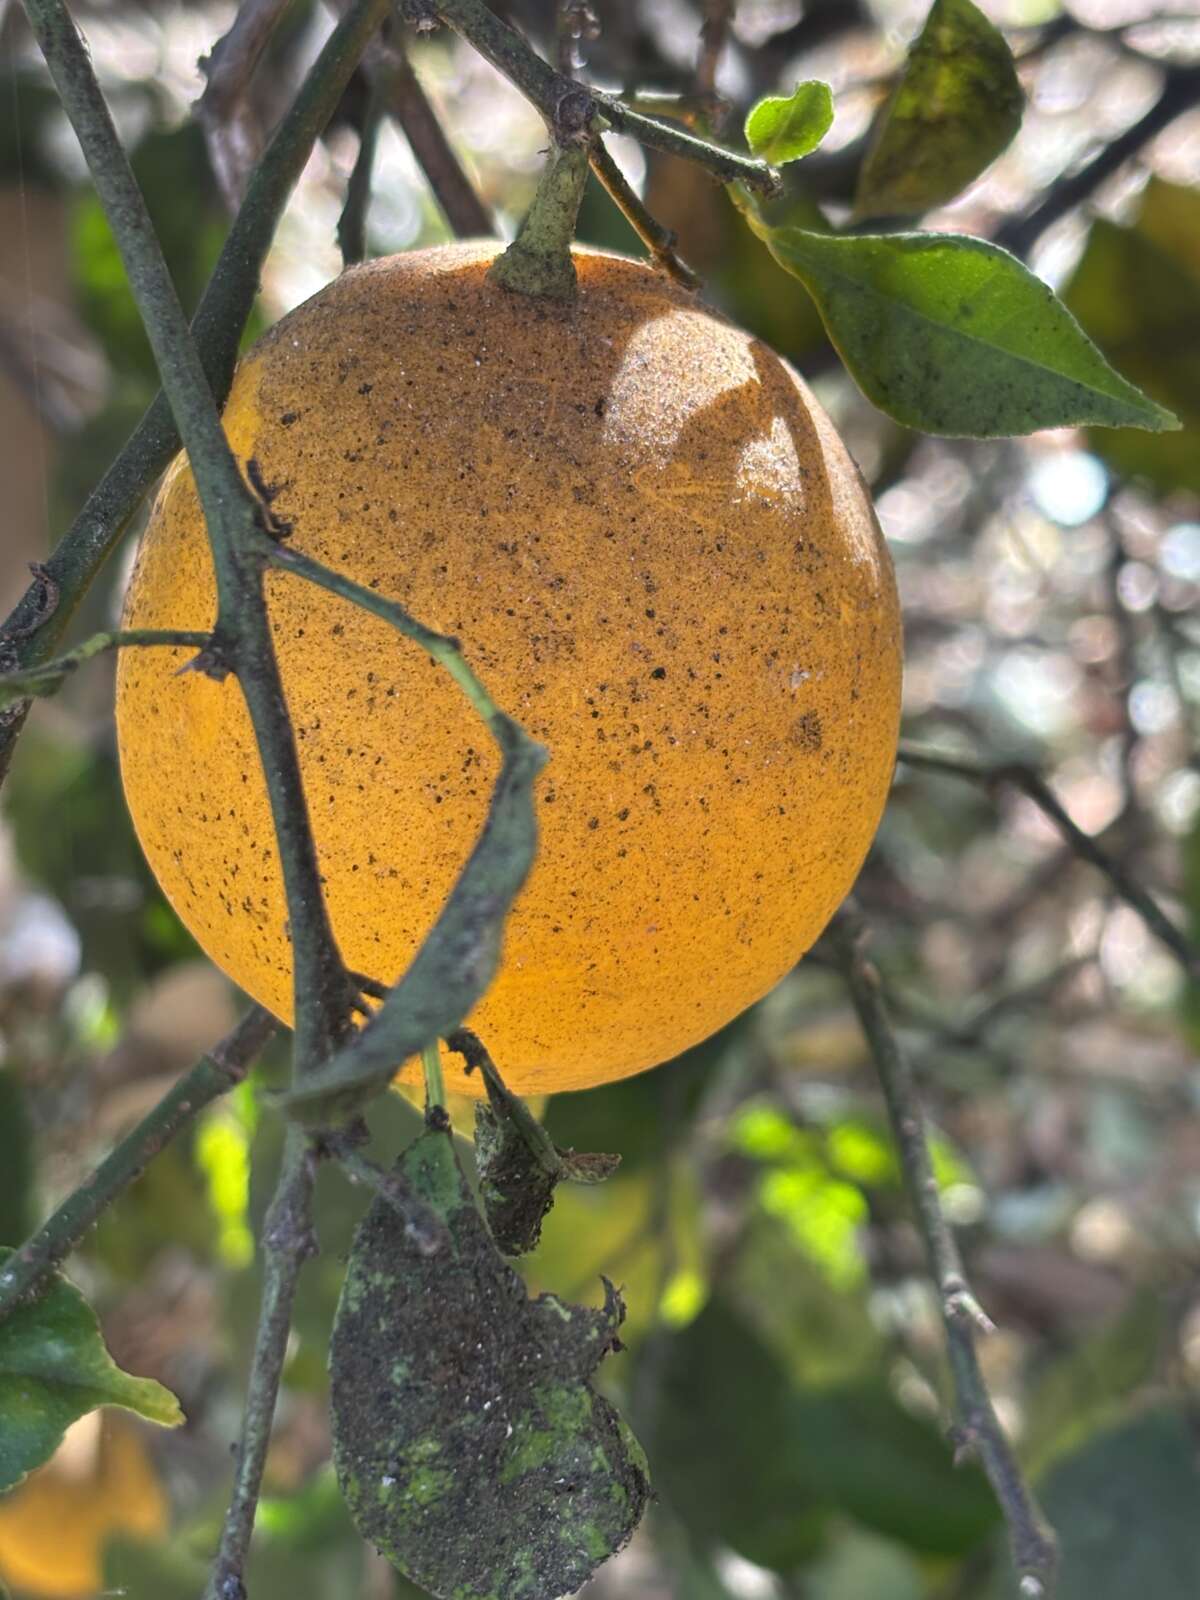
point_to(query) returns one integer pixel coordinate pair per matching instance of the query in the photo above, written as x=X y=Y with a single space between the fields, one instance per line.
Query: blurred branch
x=40 y=618
x=222 y=110
x=1035 y=787
x=659 y=240
x=288 y=1241
x=978 y=1430
x=453 y=190
x=714 y=30
x=214 y=1075
x=352 y=224
x=48 y=676
x=1180 y=91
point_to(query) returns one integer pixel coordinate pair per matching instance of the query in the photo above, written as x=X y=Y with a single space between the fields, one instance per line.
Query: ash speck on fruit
x=468 y=1441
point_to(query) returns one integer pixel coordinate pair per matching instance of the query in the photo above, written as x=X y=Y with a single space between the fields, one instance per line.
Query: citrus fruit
x=661 y=560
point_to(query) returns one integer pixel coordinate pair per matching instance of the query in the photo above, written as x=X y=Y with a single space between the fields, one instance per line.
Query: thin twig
x=234 y=143
x=48 y=676
x=352 y=224
x=714 y=30
x=452 y=189
x=213 y=1075
x=978 y=1431
x=37 y=623
x=1034 y=786
x=658 y=239
x=287 y=1242
x=242 y=640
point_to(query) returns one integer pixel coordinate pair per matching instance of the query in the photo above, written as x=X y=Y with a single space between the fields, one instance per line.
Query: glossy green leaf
x=54 y=1367
x=469 y=1443
x=458 y=959
x=783 y=128
x=956 y=107
x=952 y=335
x=1137 y=287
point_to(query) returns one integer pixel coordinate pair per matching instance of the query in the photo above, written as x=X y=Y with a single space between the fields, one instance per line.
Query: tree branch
x=1035 y=787
x=978 y=1431
x=222 y=110
x=659 y=240
x=547 y=90
x=212 y=1076
x=287 y=1242
x=41 y=617
x=242 y=640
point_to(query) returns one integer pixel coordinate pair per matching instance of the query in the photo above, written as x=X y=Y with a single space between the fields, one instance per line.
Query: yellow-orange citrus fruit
x=660 y=559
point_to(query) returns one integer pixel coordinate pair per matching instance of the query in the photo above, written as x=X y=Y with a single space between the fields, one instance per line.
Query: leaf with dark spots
x=954 y=336
x=458 y=959
x=468 y=1442
x=957 y=105
x=518 y=1163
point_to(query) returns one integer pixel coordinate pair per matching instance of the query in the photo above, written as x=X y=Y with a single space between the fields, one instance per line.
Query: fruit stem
x=538 y=261
x=435 y=1088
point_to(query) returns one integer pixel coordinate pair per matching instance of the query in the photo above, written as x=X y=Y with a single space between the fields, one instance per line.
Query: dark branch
x=214 y=1075
x=977 y=1431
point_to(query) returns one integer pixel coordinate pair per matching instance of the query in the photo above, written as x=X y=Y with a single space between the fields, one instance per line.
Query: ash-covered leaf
x=469 y=1444
x=518 y=1163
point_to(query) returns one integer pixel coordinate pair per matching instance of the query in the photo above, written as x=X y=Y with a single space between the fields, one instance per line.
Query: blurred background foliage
x=784 y=1360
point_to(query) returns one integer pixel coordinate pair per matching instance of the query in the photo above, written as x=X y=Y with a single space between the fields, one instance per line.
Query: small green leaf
x=783 y=128
x=54 y=1367
x=458 y=959
x=953 y=336
x=956 y=107
x=468 y=1441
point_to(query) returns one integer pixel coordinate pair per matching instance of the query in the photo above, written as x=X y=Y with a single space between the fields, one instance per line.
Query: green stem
x=978 y=1432
x=287 y=1242
x=538 y=261
x=214 y=1075
x=241 y=638
x=435 y=1088
x=48 y=677
x=41 y=617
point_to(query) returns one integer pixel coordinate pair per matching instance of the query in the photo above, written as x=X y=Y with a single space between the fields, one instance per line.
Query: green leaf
x=1137 y=288
x=459 y=956
x=469 y=1443
x=1124 y=1508
x=952 y=335
x=956 y=107
x=783 y=128
x=54 y=1367
x=748 y=1458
